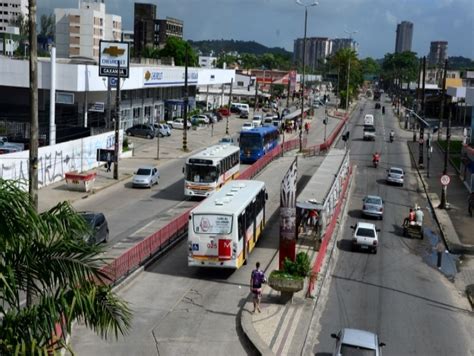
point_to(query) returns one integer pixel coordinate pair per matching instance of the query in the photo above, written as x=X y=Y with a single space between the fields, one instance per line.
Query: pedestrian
x=439 y=254
x=256 y=280
x=109 y=161
x=419 y=216
x=410 y=219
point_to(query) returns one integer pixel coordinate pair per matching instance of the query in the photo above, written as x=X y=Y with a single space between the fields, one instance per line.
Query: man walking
x=256 y=280
x=109 y=161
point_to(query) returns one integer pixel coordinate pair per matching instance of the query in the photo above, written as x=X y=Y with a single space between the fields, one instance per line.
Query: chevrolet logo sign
x=114 y=51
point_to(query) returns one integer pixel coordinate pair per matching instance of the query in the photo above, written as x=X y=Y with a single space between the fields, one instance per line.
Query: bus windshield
x=212 y=224
x=201 y=174
x=252 y=142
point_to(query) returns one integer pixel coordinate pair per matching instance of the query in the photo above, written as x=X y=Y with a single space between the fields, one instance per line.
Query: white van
x=369 y=120
x=241 y=106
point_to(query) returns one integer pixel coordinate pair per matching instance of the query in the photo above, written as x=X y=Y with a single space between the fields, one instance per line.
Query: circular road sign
x=445 y=179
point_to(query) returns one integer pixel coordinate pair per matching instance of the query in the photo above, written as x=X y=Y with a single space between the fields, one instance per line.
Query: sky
x=277 y=23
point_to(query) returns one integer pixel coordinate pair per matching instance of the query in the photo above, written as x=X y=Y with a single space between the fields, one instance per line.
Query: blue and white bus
x=255 y=143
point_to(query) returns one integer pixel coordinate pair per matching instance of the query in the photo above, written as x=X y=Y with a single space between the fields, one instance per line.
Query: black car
x=218 y=115
x=234 y=109
x=99 y=228
x=143 y=130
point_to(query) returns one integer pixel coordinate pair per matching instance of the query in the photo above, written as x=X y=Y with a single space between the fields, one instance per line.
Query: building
x=341 y=43
x=404 y=37
x=166 y=28
x=317 y=51
x=10 y=10
x=207 y=61
x=438 y=53
x=79 y=31
x=144 y=20
x=128 y=36
x=9 y=40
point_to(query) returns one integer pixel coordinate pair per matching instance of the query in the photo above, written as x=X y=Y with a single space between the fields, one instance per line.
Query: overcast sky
x=276 y=23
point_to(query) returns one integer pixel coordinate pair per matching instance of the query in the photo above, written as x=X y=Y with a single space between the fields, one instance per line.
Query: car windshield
x=369 y=128
x=372 y=200
x=351 y=350
x=201 y=174
x=251 y=142
x=364 y=232
x=247 y=125
x=396 y=171
x=143 y=172
x=89 y=218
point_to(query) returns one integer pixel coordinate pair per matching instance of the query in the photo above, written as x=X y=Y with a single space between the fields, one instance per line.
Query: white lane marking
x=142 y=228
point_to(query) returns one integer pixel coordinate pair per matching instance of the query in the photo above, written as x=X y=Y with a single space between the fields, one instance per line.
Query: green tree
x=176 y=48
x=42 y=257
x=370 y=66
x=399 y=68
x=341 y=62
x=248 y=61
x=47 y=25
x=226 y=58
x=150 y=52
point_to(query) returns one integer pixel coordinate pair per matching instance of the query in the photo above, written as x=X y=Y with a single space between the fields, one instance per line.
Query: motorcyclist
x=392 y=135
x=383 y=110
x=376 y=158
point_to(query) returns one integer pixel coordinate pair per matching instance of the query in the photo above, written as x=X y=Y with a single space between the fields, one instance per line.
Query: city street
x=413 y=307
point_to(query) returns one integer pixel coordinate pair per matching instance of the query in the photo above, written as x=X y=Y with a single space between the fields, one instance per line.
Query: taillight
x=381 y=210
x=401 y=177
x=374 y=243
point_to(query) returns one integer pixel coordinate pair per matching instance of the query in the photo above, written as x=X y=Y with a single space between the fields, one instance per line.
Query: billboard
x=114 y=57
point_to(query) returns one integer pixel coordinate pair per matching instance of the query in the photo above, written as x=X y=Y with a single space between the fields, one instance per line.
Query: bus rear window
x=212 y=224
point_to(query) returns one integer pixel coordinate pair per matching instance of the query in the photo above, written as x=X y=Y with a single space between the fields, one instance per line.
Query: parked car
x=179 y=124
x=257 y=121
x=162 y=130
x=365 y=237
x=268 y=121
x=200 y=119
x=143 y=130
x=234 y=109
x=247 y=126
x=224 y=111
x=244 y=114
x=146 y=177
x=219 y=116
x=357 y=342
x=212 y=116
x=396 y=175
x=373 y=206
x=99 y=228
x=227 y=140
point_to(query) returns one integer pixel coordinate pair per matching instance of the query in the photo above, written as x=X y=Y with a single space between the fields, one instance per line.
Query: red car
x=224 y=111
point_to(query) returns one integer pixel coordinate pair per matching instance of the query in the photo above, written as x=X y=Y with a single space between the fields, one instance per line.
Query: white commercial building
x=10 y=10
x=79 y=31
x=207 y=61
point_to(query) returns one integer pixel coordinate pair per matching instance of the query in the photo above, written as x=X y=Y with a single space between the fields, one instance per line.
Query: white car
x=200 y=119
x=365 y=237
x=357 y=342
x=179 y=124
x=146 y=177
x=396 y=175
x=257 y=121
x=247 y=126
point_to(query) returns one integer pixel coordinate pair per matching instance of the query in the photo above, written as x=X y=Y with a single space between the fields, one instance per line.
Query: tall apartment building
x=10 y=10
x=438 y=52
x=168 y=27
x=144 y=19
x=79 y=31
x=317 y=51
x=404 y=37
x=341 y=43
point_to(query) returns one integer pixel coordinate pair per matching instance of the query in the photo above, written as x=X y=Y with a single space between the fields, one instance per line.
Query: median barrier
x=139 y=254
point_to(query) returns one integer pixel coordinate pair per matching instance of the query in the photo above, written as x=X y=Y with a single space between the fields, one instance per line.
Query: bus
x=255 y=143
x=225 y=228
x=210 y=169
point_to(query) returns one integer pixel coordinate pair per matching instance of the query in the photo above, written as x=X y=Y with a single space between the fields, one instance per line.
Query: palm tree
x=42 y=258
x=340 y=62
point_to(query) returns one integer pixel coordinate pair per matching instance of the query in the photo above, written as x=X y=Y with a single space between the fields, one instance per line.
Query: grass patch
x=455 y=146
x=283 y=275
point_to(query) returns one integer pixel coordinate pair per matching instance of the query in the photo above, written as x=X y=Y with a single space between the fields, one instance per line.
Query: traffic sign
x=420 y=141
x=445 y=179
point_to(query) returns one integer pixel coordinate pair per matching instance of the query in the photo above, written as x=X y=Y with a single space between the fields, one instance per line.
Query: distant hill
x=252 y=47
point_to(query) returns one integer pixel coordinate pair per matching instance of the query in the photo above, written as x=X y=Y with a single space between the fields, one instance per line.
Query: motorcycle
x=376 y=163
x=391 y=138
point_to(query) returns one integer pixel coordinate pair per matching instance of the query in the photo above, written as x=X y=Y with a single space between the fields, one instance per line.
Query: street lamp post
x=350 y=33
x=186 y=99
x=303 y=62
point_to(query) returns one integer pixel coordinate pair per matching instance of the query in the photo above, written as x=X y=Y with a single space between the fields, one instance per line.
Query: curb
x=452 y=242
x=470 y=294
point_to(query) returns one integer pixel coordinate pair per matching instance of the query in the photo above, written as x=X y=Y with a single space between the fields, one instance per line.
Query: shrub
x=300 y=267
x=125 y=144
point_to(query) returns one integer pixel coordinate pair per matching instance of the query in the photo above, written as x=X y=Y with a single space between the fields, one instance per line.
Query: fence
x=174 y=230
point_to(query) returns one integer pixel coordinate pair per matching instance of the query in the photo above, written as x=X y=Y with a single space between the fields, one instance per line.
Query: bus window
x=241 y=225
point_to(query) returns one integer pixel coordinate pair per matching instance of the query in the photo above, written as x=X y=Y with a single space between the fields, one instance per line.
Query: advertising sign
x=114 y=56
x=292 y=81
x=155 y=77
x=212 y=224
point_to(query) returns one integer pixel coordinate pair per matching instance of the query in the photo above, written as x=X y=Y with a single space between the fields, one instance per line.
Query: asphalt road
x=193 y=311
x=413 y=308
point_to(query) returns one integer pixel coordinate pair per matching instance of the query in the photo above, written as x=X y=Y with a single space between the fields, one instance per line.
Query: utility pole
x=302 y=79
x=444 y=201
x=288 y=96
x=256 y=97
x=33 y=150
x=422 y=127
x=230 y=103
x=347 y=90
x=109 y=104
x=417 y=109
x=443 y=99
x=185 y=109
x=428 y=154
x=117 y=124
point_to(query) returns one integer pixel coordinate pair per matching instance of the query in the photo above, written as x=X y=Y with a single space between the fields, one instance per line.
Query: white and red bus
x=225 y=228
x=207 y=171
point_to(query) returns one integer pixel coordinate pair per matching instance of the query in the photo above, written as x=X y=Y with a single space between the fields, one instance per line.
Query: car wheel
x=129 y=133
x=106 y=238
x=148 y=136
x=374 y=251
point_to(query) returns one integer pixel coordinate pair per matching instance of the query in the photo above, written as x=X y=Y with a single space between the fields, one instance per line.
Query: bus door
x=254 y=219
x=241 y=231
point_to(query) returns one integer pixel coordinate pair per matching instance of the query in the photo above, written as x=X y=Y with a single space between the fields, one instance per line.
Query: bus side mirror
x=183 y=170
x=266 y=196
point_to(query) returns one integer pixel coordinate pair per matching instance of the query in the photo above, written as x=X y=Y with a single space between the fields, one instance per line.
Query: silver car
x=357 y=342
x=146 y=177
x=395 y=175
x=373 y=206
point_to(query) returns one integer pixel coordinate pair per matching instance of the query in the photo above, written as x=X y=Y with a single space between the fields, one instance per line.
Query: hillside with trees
x=226 y=46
